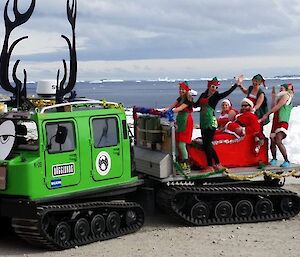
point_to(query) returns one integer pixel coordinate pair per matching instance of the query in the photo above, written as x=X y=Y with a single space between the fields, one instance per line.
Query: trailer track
x=216 y=204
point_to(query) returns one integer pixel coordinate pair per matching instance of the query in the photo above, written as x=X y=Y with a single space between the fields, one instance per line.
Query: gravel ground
x=162 y=236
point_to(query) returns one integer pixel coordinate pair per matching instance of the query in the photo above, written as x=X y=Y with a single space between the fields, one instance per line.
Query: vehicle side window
x=105 y=132
x=60 y=137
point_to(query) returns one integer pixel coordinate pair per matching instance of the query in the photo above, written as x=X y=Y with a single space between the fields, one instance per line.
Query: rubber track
x=166 y=195
x=32 y=230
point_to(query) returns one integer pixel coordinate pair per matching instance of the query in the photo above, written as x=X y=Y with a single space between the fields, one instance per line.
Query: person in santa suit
x=227 y=114
x=183 y=106
x=282 y=111
x=246 y=122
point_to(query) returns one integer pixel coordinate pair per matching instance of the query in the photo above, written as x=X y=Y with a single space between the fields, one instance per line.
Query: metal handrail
x=91 y=102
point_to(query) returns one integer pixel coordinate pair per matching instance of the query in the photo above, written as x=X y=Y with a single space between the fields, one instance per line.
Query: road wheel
x=81 y=228
x=243 y=208
x=98 y=225
x=200 y=210
x=223 y=210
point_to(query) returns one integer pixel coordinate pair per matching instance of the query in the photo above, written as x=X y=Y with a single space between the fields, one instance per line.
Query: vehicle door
x=106 y=147
x=62 y=159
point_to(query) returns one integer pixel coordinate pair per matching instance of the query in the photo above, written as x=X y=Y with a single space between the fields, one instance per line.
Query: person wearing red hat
x=257 y=96
x=227 y=114
x=208 y=101
x=282 y=111
x=246 y=122
x=183 y=106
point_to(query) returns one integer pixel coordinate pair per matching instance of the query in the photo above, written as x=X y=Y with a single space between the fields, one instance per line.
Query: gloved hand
x=169 y=114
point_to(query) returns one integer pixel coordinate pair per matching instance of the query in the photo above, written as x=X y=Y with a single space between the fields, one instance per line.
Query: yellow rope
x=267 y=173
x=42 y=102
x=107 y=105
x=283 y=175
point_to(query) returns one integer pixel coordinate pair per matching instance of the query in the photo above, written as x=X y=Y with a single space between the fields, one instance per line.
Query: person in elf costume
x=208 y=101
x=282 y=111
x=257 y=96
x=183 y=106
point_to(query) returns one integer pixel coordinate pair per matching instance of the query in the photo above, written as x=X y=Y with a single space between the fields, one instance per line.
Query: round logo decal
x=103 y=163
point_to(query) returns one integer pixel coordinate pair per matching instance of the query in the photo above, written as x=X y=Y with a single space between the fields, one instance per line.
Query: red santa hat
x=248 y=101
x=227 y=101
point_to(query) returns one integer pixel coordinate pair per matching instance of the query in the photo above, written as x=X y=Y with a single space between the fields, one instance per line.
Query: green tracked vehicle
x=68 y=167
x=70 y=159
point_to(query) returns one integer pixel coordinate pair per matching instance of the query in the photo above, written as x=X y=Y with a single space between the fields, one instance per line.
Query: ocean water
x=159 y=94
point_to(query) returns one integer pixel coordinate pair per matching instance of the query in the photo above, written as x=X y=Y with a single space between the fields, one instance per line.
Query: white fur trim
x=223 y=116
x=226 y=101
x=232 y=133
x=226 y=125
x=272 y=135
x=247 y=100
x=238 y=115
x=226 y=130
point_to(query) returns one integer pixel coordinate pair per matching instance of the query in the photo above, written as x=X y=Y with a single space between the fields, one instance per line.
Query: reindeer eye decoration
x=7 y=138
x=4 y=139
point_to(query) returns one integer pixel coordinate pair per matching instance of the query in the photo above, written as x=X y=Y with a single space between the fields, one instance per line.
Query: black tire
x=113 y=221
x=200 y=210
x=243 y=209
x=62 y=233
x=81 y=228
x=223 y=210
x=263 y=207
x=287 y=204
x=98 y=225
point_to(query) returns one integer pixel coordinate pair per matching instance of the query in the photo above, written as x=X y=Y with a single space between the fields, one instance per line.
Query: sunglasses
x=245 y=105
x=214 y=87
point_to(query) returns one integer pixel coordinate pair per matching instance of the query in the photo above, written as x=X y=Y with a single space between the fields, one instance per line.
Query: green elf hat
x=259 y=78
x=289 y=87
x=214 y=81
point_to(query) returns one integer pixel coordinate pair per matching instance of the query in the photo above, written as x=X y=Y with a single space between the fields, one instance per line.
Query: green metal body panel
x=44 y=174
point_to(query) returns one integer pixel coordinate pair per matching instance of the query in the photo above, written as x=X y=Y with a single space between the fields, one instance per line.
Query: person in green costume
x=282 y=110
x=208 y=101
x=257 y=96
x=183 y=106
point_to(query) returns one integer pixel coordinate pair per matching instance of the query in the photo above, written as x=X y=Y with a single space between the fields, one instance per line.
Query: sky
x=142 y=39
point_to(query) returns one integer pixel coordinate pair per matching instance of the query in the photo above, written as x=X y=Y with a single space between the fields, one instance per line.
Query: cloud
x=116 y=30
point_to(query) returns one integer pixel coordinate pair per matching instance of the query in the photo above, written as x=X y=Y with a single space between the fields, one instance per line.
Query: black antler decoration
x=61 y=89
x=18 y=91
